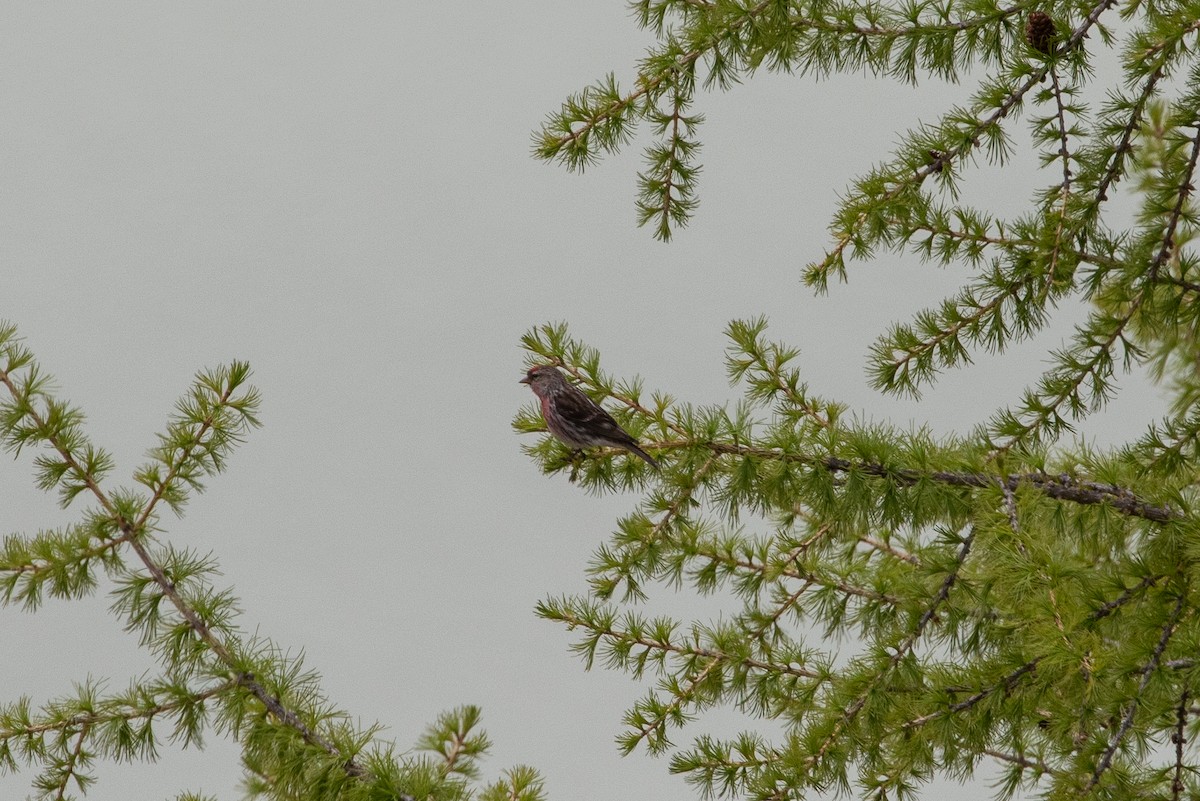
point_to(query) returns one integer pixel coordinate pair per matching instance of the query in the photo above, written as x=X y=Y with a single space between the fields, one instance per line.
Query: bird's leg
x=572 y=459
x=576 y=457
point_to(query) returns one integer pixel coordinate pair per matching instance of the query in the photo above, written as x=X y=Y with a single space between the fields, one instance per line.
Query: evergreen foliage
x=215 y=679
x=898 y=607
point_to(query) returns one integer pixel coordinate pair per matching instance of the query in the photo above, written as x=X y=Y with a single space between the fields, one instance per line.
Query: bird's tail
x=647 y=458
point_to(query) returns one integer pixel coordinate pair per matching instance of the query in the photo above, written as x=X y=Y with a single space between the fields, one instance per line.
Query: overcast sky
x=343 y=195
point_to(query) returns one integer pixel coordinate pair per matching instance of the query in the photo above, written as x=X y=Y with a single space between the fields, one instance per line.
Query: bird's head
x=543 y=379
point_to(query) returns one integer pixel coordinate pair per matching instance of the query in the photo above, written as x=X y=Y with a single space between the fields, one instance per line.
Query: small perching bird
x=574 y=418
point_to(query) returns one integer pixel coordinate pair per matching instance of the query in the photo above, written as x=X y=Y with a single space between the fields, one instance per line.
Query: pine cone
x=1041 y=32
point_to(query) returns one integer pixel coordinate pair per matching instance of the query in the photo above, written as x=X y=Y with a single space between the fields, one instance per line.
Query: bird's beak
x=524 y=380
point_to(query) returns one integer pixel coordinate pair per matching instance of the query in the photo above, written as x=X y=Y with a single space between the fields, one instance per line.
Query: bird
x=575 y=419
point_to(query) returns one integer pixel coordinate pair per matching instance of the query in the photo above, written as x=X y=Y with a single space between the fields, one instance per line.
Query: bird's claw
x=575 y=460
x=572 y=459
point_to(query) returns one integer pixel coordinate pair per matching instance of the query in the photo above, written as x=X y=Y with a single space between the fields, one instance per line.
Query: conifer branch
x=818 y=274
x=70 y=768
x=963 y=235
x=627 y=638
x=795 y=570
x=899 y=652
x=902 y=359
x=1006 y=685
x=286 y=729
x=1148 y=670
x=1078 y=382
x=156 y=702
x=576 y=122
x=624 y=567
x=1063 y=227
x=891 y=550
x=1036 y=631
x=133 y=529
x=39 y=567
x=650 y=717
x=1179 y=282
x=1061 y=487
x=742 y=467
x=1035 y=765
x=1115 y=165
x=732 y=763
x=62 y=560
x=651 y=728
x=194 y=620
x=736 y=39
x=1064 y=152
x=68 y=733
x=1010 y=681
x=1184 y=191
x=1112 y=606
x=763 y=367
x=667 y=188
x=456 y=743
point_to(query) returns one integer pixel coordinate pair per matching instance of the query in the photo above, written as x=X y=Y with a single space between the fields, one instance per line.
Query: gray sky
x=342 y=194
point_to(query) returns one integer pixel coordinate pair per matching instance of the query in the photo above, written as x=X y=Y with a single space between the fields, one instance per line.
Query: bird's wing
x=589 y=414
